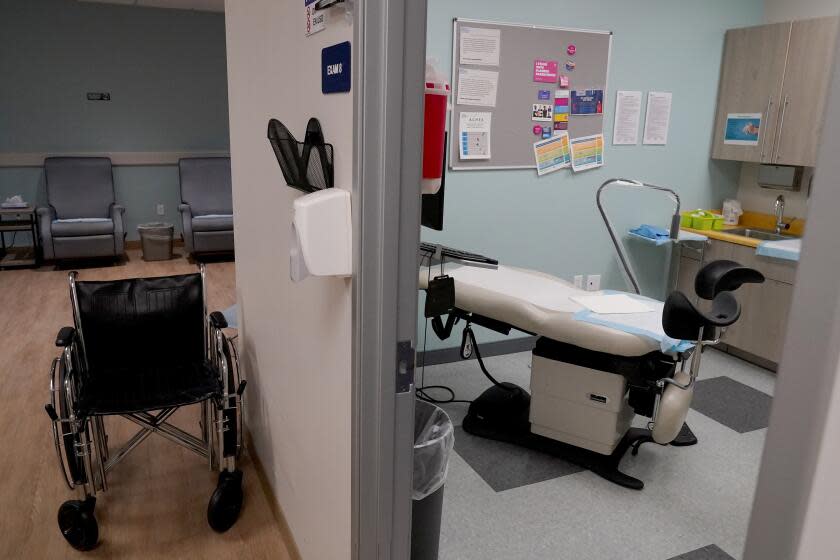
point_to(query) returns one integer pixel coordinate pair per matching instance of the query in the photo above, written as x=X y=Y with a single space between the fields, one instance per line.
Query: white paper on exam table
x=612 y=303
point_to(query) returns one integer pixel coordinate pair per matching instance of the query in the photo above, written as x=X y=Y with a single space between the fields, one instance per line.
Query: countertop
x=754 y=220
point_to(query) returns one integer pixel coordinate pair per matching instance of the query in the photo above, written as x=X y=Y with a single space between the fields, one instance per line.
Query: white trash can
x=156 y=240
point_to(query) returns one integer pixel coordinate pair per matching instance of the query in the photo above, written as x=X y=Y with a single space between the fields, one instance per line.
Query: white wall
x=296 y=338
x=786 y=10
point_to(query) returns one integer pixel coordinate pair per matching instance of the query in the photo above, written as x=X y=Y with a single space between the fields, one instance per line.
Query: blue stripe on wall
x=551 y=223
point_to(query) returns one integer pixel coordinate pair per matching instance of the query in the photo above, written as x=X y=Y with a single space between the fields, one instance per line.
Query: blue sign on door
x=335 y=68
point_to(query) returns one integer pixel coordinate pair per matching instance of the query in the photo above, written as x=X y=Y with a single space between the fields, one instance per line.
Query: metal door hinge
x=405 y=366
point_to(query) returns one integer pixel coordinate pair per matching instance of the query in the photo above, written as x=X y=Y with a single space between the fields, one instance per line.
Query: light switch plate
x=579 y=281
x=593 y=282
x=161 y=210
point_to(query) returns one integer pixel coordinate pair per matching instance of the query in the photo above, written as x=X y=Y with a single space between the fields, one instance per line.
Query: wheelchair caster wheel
x=226 y=501
x=77 y=523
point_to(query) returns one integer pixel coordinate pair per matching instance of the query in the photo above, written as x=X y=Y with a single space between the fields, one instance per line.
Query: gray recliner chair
x=206 y=204
x=82 y=219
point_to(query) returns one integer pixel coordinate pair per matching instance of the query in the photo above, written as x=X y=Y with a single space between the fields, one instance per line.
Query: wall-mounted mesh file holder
x=307 y=165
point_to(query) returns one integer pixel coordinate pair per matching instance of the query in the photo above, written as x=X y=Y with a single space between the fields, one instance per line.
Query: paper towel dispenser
x=322 y=242
x=784 y=177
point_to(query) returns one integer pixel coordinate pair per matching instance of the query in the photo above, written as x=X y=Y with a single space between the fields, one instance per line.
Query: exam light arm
x=633 y=184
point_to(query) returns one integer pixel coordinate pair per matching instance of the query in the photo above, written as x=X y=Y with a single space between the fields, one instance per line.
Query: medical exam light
x=633 y=184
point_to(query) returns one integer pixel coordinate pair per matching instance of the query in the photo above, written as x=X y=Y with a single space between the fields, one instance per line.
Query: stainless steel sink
x=762 y=234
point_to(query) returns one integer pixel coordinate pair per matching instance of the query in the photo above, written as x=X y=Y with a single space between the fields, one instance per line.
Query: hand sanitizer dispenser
x=322 y=243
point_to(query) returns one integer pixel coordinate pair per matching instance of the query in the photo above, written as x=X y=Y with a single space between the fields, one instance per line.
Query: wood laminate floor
x=156 y=503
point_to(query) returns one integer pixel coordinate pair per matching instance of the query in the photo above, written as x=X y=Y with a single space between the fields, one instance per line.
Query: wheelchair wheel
x=233 y=415
x=64 y=438
x=226 y=502
x=78 y=524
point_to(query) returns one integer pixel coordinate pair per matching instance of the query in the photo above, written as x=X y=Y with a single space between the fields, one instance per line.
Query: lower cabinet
x=759 y=334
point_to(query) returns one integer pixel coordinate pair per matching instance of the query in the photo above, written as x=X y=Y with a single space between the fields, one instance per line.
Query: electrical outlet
x=593 y=282
x=579 y=281
x=161 y=210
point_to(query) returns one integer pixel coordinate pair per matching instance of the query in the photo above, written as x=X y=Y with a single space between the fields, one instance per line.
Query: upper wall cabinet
x=782 y=72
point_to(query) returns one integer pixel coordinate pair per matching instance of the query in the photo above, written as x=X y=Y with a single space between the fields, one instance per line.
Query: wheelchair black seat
x=141 y=348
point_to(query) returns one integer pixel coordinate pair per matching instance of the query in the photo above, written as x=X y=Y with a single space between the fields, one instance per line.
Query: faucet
x=779 y=210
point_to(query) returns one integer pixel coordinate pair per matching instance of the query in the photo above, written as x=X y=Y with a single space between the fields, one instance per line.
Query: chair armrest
x=117 y=212
x=46 y=215
x=186 y=226
x=65 y=337
x=217 y=320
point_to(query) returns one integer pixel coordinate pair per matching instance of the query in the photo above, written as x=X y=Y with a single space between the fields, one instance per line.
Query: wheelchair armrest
x=217 y=320
x=65 y=337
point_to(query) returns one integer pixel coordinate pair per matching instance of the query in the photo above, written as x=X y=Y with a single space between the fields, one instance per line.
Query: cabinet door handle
x=785 y=104
x=763 y=132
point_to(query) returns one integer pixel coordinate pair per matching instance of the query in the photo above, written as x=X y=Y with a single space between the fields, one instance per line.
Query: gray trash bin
x=156 y=240
x=434 y=437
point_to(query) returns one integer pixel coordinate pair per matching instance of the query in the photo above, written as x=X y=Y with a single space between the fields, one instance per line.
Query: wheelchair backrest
x=142 y=320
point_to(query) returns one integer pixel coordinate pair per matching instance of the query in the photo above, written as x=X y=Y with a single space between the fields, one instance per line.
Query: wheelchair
x=141 y=348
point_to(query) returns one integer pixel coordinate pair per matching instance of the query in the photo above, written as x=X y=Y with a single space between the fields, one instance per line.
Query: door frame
x=388 y=81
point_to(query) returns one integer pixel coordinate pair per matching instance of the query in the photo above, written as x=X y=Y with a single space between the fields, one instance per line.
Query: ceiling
x=200 y=5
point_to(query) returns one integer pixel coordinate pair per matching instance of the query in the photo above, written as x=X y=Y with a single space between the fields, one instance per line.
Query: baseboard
x=273 y=503
x=748 y=357
x=488 y=349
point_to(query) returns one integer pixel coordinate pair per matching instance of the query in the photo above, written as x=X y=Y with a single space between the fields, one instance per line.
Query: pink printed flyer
x=545 y=71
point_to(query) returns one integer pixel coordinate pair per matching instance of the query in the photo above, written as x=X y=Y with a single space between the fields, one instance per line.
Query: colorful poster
x=545 y=71
x=480 y=46
x=474 y=132
x=742 y=129
x=588 y=102
x=552 y=154
x=587 y=152
x=541 y=112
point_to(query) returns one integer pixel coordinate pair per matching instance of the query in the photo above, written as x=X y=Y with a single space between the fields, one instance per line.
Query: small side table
x=14 y=220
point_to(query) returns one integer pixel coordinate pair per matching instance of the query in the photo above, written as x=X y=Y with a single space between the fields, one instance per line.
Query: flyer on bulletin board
x=552 y=154
x=588 y=102
x=742 y=129
x=480 y=46
x=474 y=133
x=587 y=152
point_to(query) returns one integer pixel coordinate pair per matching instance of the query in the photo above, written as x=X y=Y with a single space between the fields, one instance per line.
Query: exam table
x=590 y=374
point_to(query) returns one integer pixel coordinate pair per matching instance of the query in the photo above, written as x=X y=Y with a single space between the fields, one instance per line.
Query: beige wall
x=296 y=338
x=758 y=199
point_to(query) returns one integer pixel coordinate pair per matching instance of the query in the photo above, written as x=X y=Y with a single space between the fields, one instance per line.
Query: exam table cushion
x=536 y=303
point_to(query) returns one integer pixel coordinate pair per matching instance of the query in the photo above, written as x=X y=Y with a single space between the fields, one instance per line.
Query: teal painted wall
x=551 y=223
x=165 y=70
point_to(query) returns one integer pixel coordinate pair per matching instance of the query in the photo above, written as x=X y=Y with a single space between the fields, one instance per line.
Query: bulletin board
x=512 y=134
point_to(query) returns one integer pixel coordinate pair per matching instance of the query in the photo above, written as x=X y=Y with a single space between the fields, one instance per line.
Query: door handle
x=764 y=127
x=785 y=104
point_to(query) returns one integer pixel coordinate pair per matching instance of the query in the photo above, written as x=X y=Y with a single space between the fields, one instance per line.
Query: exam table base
x=501 y=413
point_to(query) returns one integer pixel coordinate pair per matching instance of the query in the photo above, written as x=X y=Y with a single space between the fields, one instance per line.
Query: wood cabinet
x=759 y=333
x=804 y=90
x=781 y=71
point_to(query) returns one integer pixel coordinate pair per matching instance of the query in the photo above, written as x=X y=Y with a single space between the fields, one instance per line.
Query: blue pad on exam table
x=787 y=249
x=230 y=316
x=647 y=324
x=651 y=232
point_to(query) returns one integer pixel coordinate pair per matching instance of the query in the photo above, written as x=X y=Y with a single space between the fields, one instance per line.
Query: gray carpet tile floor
x=501 y=502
